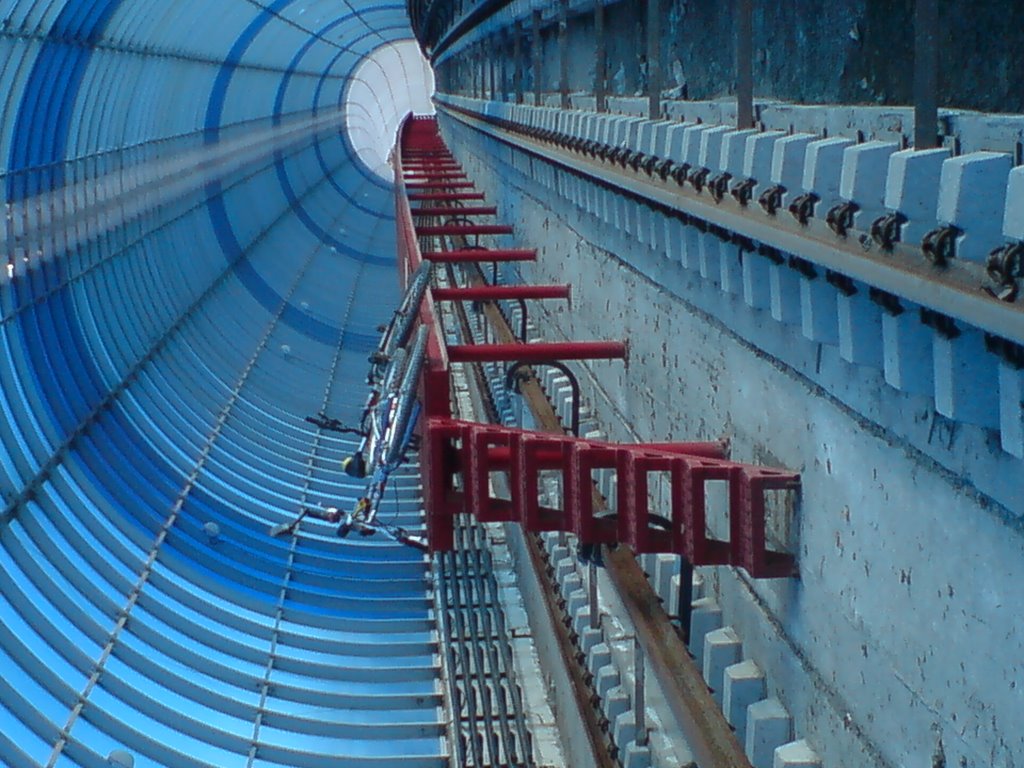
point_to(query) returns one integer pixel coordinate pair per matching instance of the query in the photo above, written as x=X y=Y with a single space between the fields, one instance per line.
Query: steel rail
x=578 y=675
x=954 y=290
x=709 y=736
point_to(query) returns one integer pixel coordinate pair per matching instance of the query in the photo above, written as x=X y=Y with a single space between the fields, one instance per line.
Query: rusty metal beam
x=744 y=64
x=600 y=58
x=563 y=52
x=926 y=74
x=536 y=55
x=538 y=352
x=654 y=76
x=502 y=292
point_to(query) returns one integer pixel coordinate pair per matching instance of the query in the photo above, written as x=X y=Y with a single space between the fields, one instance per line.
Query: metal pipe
x=445 y=197
x=536 y=55
x=574 y=385
x=639 y=692
x=685 y=608
x=563 y=52
x=517 y=57
x=466 y=211
x=502 y=292
x=926 y=74
x=474 y=254
x=440 y=185
x=538 y=352
x=744 y=64
x=595 y=609
x=456 y=230
x=653 y=59
x=601 y=57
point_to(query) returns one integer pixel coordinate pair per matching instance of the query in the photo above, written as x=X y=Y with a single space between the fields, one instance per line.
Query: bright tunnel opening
x=392 y=81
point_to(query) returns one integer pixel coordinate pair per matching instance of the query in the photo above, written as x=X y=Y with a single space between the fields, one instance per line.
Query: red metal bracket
x=459 y=459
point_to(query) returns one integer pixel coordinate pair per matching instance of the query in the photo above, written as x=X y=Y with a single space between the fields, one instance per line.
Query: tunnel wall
x=905 y=566
x=806 y=51
x=196 y=261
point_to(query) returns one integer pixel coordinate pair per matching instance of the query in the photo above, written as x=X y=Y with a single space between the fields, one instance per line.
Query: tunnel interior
x=201 y=239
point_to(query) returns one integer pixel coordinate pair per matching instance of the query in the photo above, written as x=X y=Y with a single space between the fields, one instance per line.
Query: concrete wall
x=812 y=51
x=900 y=643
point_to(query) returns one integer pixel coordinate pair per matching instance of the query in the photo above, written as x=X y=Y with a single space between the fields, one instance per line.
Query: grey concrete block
x=1013 y=219
x=576 y=601
x=744 y=685
x=966 y=381
x=860 y=328
x=907 y=352
x=722 y=648
x=711 y=147
x=972 y=195
x=599 y=656
x=615 y=703
x=624 y=728
x=823 y=170
x=768 y=726
x=796 y=754
x=756 y=281
x=706 y=617
x=1011 y=413
x=635 y=756
x=788 y=163
x=818 y=313
x=912 y=188
x=865 y=168
x=606 y=678
x=666 y=567
x=589 y=636
x=784 y=290
x=758 y=158
x=734 y=149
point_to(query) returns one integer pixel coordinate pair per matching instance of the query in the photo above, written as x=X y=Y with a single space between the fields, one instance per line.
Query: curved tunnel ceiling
x=199 y=253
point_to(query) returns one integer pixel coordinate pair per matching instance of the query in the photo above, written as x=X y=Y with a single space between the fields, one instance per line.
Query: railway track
x=708 y=736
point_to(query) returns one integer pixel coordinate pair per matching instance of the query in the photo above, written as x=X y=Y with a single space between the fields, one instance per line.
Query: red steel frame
x=457 y=457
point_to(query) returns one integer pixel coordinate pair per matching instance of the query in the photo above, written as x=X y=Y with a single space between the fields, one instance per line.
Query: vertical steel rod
x=517 y=57
x=595 y=609
x=493 y=67
x=926 y=74
x=535 y=50
x=504 y=64
x=600 y=57
x=653 y=59
x=563 y=52
x=745 y=64
x=685 y=608
x=639 y=692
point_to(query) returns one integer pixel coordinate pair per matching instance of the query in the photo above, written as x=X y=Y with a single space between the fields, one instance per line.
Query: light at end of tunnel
x=390 y=82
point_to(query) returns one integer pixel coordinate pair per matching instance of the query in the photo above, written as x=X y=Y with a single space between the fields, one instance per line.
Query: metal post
x=639 y=692
x=595 y=609
x=745 y=64
x=563 y=52
x=653 y=59
x=926 y=74
x=685 y=609
x=493 y=66
x=504 y=64
x=601 y=57
x=535 y=50
x=537 y=352
x=502 y=292
x=517 y=57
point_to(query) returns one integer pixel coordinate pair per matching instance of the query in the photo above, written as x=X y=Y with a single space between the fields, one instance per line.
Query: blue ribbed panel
x=183 y=287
